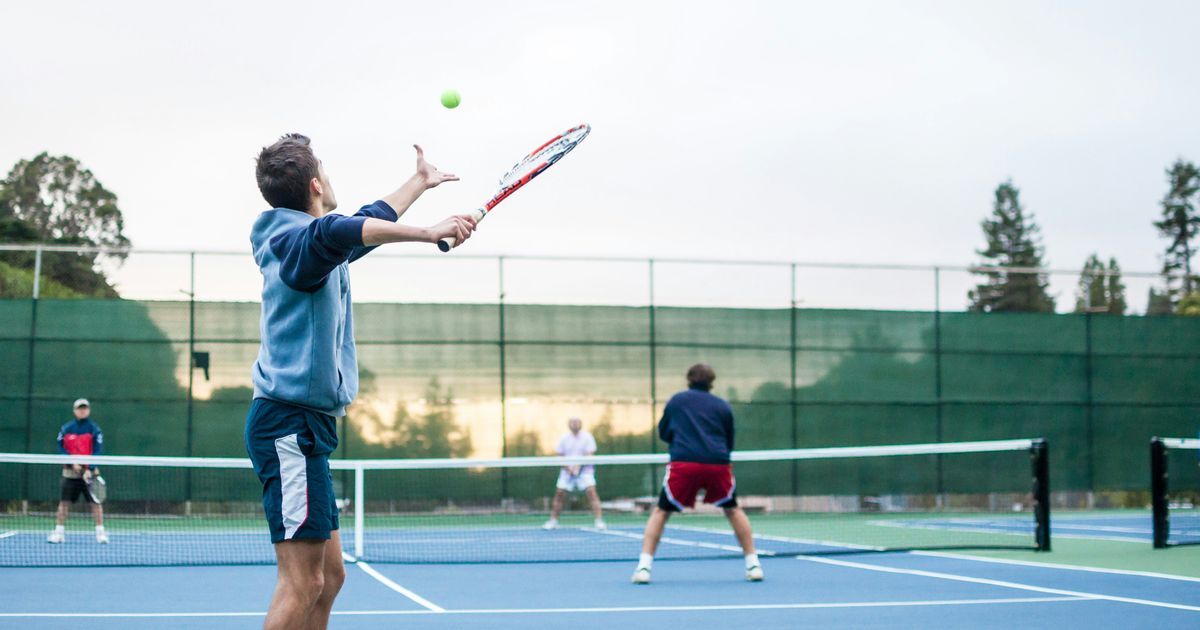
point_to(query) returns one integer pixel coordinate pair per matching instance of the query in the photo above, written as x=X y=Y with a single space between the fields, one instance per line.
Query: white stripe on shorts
x=293 y=477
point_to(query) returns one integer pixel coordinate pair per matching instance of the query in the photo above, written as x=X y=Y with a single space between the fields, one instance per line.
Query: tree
x=1179 y=224
x=1189 y=305
x=1116 y=289
x=1159 y=303
x=523 y=443
x=1012 y=241
x=54 y=199
x=434 y=433
x=1100 y=289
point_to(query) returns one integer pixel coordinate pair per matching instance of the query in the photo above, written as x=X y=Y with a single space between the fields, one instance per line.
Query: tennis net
x=1175 y=491
x=193 y=511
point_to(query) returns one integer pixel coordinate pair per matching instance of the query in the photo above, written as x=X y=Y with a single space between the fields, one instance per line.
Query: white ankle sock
x=645 y=561
x=751 y=560
x=60 y=528
x=99 y=528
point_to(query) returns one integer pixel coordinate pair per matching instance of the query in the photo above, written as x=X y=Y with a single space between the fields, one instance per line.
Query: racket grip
x=446 y=244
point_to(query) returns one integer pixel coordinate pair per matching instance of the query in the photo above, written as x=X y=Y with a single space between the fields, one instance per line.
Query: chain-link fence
x=486 y=355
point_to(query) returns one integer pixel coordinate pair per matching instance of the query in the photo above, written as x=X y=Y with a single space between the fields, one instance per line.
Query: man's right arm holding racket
x=377 y=231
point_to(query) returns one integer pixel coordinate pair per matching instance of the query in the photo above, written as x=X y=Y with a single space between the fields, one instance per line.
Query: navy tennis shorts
x=289 y=447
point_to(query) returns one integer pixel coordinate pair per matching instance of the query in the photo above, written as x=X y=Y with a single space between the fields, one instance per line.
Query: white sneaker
x=56 y=537
x=600 y=524
x=551 y=524
x=102 y=537
x=754 y=573
x=641 y=576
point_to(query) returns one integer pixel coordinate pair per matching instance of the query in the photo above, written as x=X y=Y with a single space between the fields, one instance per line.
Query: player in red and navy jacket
x=698 y=426
x=80 y=436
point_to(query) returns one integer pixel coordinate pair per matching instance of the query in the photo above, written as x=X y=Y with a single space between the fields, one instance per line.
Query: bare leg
x=594 y=499
x=741 y=528
x=63 y=508
x=557 y=506
x=300 y=582
x=654 y=529
x=335 y=576
x=98 y=514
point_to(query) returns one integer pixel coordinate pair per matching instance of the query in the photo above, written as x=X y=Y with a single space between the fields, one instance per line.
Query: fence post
x=191 y=352
x=191 y=359
x=33 y=313
x=653 y=377
x=1089 y=407
x=937 y=382
x=792 y=390
x=653 y=364
x=503 y=384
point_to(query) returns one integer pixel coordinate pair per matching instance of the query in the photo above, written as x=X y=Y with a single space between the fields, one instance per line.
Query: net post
x=1158 y=492
x=359 y=510
x=1040 y=460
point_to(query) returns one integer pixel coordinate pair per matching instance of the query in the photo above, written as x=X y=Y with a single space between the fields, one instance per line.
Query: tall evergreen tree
x=1180 y=223
x=1100 y=289
x=1012 y=241
x=1117 y=305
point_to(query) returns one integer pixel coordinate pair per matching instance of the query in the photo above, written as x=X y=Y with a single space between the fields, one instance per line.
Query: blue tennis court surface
x=901 y=590
x=879 y=590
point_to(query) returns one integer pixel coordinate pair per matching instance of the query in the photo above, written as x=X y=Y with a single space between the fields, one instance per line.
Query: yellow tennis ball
x=451 y=99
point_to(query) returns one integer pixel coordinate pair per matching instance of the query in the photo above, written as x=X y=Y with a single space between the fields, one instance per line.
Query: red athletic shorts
x=683 y=480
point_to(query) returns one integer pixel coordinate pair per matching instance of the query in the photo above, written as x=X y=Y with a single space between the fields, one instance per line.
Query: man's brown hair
x=701 y=376
x=284 y=170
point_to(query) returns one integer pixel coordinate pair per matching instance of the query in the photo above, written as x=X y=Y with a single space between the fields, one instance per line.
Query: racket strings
x=544 y=156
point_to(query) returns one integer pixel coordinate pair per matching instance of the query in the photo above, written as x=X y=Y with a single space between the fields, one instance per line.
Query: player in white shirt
x=575 y=477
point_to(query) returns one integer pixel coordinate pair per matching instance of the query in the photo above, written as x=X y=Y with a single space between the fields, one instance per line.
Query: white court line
x=1000 y=583
x=786 y=539
x=7 y=534
x=1052 y=565
x=383 y=579
x=616 y=609
x=673 y=541
x=962 y=556
x=996 y=530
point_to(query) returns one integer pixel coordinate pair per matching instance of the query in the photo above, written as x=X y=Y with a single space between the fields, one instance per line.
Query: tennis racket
x=529 y=167
x=96 y=488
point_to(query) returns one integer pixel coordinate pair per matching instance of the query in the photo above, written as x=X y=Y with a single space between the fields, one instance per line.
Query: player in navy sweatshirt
x=698 y=426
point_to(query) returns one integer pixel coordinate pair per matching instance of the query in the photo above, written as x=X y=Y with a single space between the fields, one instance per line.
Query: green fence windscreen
x=488 y=380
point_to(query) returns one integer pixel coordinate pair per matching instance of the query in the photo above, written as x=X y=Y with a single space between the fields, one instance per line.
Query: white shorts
x=578 y=483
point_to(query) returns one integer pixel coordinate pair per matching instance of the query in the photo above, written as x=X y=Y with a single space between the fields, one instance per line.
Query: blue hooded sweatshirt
x=307 y=357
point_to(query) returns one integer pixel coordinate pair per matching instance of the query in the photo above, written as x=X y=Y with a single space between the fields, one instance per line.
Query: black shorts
x=72 y=489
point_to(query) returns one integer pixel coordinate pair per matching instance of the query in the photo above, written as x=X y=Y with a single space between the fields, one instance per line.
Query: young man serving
x=307 y=372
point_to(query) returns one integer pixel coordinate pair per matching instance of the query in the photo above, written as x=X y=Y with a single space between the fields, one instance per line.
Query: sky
x=797 y=131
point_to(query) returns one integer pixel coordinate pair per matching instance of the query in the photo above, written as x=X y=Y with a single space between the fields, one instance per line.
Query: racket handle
x=446 y=244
